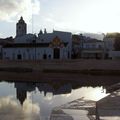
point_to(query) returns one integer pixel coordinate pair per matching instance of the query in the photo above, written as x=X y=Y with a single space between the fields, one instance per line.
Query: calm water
x=37 y=101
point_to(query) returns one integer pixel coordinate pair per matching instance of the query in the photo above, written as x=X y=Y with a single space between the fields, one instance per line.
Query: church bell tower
x=21 y=28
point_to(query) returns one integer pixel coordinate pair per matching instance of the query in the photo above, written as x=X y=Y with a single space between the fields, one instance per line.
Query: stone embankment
x=59 y=69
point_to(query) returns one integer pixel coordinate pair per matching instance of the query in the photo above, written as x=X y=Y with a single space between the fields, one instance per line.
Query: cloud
x=11 y=110
x=82 y=15
x=16 y=8
x=1 y=34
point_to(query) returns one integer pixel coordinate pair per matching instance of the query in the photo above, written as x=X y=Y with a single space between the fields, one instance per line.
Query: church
x=55 y=45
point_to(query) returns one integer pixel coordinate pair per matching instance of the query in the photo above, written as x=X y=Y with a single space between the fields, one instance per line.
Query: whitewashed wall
x=33 y=53
x=93 y=45
x=114 y=54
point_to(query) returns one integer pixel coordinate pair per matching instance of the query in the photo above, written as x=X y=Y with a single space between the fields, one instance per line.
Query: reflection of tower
x=21 y=27
x=21 y=95
x=22 y=89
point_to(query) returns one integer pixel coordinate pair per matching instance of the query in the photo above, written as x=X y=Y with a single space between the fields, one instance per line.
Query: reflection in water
x=63 y=89
x=37 y=100
x=22 y=89
x=61 y=93
x=55 y=90
x=11 y=110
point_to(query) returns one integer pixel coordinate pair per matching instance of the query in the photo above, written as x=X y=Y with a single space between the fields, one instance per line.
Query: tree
x=117 y=43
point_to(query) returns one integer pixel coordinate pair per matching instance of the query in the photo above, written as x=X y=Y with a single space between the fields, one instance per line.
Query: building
x=4 y=41
x=112 y=46
x=93 y=49
x=87 y=48
x=55 y=45
x=77 y=45
x=108 y=45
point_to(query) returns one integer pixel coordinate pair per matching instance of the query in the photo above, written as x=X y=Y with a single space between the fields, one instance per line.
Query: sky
x=94 y=16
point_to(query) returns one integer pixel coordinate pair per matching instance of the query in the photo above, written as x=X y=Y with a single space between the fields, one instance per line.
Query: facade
x=4 y=41
x=114 y=54
x=93 y=49
x=55 y=45
x=109 y=46
x=87 y=48
x=77 y=45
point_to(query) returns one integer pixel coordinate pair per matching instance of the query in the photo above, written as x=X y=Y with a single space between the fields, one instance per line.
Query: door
x=56 y=53
x=19 y=57
x=44 y=56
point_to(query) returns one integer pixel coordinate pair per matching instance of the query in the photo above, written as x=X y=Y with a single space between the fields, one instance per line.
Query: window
x=19 y=56
x=49 y=56
x=99 y=46
x=44 y=56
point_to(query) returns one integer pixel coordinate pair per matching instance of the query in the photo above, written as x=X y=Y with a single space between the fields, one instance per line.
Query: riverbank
x=60 y=70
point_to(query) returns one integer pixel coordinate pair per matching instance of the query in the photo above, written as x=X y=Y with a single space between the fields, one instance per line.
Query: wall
x=33 y=53
x=114 y=54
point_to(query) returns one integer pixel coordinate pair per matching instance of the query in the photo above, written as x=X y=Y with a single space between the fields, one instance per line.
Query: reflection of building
x=22 y=89
x=61 y=89
x=56 y=45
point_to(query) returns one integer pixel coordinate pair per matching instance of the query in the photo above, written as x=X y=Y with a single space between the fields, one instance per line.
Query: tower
x=21 y=27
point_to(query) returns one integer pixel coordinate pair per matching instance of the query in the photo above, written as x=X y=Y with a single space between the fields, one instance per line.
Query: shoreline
x=59 y=77
x=64 y=70
x=94 y=72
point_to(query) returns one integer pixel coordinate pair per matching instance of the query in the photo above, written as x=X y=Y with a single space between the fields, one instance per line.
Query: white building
x=93 y=49
x=55 y=45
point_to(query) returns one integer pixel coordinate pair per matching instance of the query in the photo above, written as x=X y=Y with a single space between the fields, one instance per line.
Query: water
x=39 y=101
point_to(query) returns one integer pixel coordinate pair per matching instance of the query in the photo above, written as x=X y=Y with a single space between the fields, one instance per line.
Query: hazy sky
x=67 y=15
